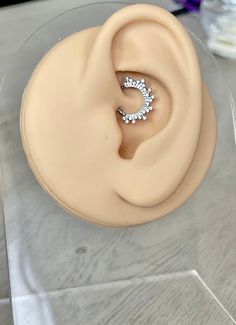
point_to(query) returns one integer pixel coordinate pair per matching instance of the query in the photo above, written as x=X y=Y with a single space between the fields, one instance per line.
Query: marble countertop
x=179 y=270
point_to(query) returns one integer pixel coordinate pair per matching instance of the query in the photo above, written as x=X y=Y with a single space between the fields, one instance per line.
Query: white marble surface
x=54 y=252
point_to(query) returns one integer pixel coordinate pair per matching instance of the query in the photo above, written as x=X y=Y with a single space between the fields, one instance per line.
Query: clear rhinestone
x=148 y=98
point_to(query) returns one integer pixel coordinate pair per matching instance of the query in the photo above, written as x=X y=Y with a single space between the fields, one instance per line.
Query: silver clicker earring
x=148 y=98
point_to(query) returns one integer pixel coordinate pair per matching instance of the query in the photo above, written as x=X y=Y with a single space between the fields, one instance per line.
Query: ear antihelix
x=136 y=15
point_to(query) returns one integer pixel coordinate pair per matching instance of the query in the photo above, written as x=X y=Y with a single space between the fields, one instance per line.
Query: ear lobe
x=148 y=41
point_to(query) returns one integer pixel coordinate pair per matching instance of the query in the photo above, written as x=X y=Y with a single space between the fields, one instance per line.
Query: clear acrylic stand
x=66 y=271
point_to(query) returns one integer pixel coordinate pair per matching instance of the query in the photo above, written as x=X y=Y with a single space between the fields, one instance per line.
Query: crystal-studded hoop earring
x=148 y=98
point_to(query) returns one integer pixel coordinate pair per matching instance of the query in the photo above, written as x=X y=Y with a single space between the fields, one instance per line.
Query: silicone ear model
x=78 y=147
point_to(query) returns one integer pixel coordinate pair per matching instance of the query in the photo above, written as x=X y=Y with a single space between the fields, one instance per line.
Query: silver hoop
x=148 y=98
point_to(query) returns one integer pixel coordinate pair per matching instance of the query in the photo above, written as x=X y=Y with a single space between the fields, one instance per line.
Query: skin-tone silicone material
x=79 y=149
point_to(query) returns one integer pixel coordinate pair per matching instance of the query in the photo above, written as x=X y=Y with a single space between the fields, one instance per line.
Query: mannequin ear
x=148 y=42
